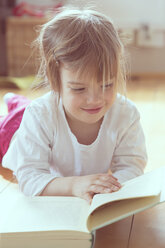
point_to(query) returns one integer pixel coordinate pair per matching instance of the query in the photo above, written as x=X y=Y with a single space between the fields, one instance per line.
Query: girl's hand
x=87 y=186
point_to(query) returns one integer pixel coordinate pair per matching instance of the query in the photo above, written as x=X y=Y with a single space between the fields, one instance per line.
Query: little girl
x=70 y=138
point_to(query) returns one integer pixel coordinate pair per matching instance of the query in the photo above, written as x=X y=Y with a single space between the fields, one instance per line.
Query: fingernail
x=107 y=190
x=115 y=188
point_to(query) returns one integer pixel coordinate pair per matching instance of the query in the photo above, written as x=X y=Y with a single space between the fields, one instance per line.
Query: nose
x=94 y=96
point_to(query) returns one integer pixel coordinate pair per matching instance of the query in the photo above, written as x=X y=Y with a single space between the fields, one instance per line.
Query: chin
x=92 y=121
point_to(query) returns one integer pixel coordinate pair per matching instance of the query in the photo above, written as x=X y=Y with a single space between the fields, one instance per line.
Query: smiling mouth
x=93 y=110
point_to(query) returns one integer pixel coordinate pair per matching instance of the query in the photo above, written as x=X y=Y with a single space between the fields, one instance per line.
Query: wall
x=130 y=16
x=130 y=12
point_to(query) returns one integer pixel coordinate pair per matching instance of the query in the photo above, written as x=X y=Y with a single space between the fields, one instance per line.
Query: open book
x=70 y=221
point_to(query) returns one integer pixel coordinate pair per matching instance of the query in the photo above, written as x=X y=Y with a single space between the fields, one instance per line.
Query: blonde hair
x=87 y=42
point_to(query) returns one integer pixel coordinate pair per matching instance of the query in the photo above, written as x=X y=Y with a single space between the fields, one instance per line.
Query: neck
x=85 y=133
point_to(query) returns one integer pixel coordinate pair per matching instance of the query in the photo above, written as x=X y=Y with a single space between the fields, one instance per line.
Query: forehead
x=82 y=76
x=67 y=74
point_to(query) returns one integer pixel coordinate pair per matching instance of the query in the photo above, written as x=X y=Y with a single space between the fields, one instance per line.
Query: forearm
x=82 y=186
x=61 y=186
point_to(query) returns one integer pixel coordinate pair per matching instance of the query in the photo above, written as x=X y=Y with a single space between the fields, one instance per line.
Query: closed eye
x=105 y=86
x=78 y=89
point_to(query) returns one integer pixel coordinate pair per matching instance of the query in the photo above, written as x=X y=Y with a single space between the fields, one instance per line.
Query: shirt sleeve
x=130 y=156
x=30 y=151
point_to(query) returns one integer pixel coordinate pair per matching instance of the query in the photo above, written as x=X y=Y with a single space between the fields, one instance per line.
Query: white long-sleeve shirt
x=45 y=148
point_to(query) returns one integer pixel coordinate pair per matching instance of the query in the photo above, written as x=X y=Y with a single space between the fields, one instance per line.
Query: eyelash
x=78 y=90
x=82 y=89
x=107 y=85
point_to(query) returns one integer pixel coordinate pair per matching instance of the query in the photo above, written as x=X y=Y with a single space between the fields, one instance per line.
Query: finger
x=110 y=173
x=99 y=189
x=112 y=176
x=114 y=181
x=88 y=197
x=108 y=182
x=114 y=188
x=108 y=178
x=111 y=185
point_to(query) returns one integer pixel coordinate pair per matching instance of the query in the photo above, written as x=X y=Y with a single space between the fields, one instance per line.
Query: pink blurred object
x=34 y=10
x=10 y=123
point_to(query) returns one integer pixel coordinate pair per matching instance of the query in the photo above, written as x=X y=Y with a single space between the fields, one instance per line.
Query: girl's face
x=84 y=101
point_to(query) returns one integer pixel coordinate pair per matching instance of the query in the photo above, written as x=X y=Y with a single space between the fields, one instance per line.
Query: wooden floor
x=149 y=96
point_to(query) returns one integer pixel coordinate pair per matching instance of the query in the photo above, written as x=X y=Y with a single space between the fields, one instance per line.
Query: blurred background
x=140 y=22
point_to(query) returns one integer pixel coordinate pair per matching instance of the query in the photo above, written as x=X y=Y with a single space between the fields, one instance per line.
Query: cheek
x=71 y=101
x=76 y=101
x=110 y=97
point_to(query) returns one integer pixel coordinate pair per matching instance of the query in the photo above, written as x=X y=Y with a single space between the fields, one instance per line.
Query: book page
x=148 y=184
x=19 y=213
x=118 y=210
x=135 y=196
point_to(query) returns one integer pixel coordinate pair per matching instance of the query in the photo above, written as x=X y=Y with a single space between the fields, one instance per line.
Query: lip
x=93 y=110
